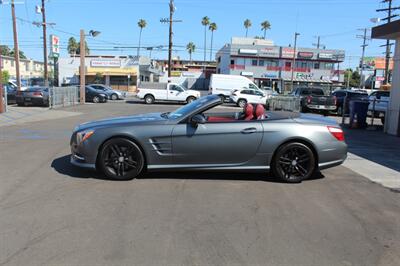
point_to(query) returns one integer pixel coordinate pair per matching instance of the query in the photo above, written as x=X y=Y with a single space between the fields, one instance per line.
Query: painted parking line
x=375 y=172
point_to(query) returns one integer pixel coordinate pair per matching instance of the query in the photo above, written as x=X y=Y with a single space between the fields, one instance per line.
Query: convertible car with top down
x=202 y=136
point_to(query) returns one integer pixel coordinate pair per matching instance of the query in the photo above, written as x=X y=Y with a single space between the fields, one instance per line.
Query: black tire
x=149 y=99
x=190 y=99
x=303 y=109
x=114 y=97
x=96 y=99
x=241 y=102
x=120 y=159
x=294 y=162
x=222 y=98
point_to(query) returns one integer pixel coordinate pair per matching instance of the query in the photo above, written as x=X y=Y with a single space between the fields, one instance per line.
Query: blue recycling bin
x=358 y=113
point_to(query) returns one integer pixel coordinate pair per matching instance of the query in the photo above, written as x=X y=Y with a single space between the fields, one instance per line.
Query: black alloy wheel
x=121 y=159
x=294 y=162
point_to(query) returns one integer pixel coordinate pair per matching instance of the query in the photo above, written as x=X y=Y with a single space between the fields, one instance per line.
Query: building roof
x=389 y=31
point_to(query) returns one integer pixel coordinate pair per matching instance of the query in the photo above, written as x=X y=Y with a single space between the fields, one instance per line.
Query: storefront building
x=118 y=72
x=271 y=66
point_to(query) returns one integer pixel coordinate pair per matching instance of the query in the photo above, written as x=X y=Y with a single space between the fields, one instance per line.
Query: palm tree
x=190 y=47
x=265 y=25
x=205 y=22
x=142 y=24
x=213 y=27
x=247 y=25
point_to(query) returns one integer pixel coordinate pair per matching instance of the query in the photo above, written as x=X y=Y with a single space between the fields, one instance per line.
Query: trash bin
x=358 y=113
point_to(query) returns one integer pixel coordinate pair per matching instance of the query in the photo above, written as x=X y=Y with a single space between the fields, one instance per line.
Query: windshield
x=189 y=108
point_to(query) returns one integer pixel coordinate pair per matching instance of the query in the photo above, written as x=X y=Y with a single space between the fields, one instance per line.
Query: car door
x=176 y=93
x=260 y=97
x=212 y=144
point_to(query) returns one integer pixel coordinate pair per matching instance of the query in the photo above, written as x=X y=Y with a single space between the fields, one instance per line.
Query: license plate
x=27 y=99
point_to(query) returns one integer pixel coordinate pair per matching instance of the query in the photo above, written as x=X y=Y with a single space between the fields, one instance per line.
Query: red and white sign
x=287 y=52
x=55 y=45
x=102 y=62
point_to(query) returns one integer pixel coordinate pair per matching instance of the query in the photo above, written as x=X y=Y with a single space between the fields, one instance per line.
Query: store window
x=261 y=62
x=254 y=62
x=232 y=62
x=316 y=65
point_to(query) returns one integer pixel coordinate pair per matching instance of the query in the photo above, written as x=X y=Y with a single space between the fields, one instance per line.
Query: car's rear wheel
x=121 y=159
x=241 y=103
x=294 y=162
x=114 y=97
x=96 y=99
x=149 y=99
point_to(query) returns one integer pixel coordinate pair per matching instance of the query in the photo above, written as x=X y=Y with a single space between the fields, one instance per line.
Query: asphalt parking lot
x=52 y=213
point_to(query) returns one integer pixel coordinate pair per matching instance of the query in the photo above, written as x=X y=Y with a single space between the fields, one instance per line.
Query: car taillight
x=337 y=132
x=37 y=93
x=309 y=98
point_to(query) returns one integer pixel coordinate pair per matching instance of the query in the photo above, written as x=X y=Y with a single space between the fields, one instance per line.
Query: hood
x=315 y=119
x=134 y=119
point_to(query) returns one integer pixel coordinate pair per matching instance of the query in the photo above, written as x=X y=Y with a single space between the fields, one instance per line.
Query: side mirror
x=197 y=119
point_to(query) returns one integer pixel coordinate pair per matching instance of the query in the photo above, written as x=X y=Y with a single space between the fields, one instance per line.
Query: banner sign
x=287 y=52
x=55 y=45
x=103 y=62
x=305 y=54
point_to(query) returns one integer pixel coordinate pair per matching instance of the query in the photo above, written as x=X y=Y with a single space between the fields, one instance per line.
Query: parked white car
x=224 y=85
x=378 y=104
x=151 y=92
x=241 y=97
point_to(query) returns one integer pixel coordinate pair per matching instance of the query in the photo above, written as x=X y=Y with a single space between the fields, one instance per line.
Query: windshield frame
x=200 y=105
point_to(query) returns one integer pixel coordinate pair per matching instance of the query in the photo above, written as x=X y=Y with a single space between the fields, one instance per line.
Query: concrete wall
x=393 y=114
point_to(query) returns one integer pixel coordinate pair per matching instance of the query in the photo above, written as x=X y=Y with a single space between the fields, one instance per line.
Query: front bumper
x=77 y=161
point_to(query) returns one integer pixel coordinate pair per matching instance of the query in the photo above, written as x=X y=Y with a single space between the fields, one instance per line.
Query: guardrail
x=63 y=96
x=284 y=103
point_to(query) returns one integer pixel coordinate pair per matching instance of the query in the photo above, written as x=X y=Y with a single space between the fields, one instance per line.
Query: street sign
x=55 y=46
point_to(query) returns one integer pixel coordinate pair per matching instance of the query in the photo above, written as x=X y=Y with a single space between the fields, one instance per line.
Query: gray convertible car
x=199 y=136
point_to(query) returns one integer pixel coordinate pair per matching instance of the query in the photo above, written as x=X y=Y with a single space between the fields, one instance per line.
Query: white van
x=224 y=85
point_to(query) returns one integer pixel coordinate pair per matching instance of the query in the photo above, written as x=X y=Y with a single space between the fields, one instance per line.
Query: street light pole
x=171 y=13
x=2 y=107
x=296 y=34
x=16 y=49
x=82 y=71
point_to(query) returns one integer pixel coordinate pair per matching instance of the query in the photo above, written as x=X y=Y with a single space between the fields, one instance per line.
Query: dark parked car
x=33 y=96
x=95 y=96
x=343 y=98
x=11 y=93
x=315 y=100
x=196 y=136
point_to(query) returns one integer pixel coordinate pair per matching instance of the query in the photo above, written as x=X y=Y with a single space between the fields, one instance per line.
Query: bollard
x=344 y=109
x=373 y=112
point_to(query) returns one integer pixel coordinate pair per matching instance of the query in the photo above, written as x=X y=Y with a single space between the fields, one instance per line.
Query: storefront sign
x=247 y=74
x=248 y=51
x=305 y=54
x=102 y=62
x=325 y=56
x=270 y=52
x=55 y=46
x=269 y=75
x=287 y=52
x=304 y=76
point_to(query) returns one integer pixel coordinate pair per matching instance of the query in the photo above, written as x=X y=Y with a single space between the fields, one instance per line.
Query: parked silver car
x=111 y=93
x=33 y=96
x=292 y=145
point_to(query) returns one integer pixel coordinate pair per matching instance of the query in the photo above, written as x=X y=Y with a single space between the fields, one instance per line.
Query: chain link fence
x=284 y=103
x=63 y=96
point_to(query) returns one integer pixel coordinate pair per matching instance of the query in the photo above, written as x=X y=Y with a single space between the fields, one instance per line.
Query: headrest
x=260 y=111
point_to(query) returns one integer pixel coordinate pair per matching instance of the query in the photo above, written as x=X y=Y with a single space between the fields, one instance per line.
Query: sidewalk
x=374 y=155
x=19 y=115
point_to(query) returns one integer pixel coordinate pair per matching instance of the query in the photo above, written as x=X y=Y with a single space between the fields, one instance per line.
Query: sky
x=336 y=21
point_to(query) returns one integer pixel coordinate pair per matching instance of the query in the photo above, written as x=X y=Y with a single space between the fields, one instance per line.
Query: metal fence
x=284 y=103
x=63 y=96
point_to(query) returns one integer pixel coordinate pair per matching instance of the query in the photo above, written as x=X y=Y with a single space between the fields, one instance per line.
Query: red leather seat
x=248 y=111
x=260 y=112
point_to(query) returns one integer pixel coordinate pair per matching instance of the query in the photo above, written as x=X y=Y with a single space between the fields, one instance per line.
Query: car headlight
x=83 y=135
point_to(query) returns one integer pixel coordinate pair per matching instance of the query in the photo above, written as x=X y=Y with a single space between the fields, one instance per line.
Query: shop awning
x=92 y=71
x=325 y=81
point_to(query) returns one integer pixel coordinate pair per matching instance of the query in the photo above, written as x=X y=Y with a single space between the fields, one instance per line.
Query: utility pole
x=318 y=45
x=171 y=13
x=82 y=72
x=388 y=45
x=2 y=104
x=16 y=49
x=296 y=34
x=364 y=45
x=46 y=73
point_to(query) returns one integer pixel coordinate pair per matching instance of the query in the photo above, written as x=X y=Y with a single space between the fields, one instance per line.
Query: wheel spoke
x=131 y=163
x=301 y=170
x=115 y=150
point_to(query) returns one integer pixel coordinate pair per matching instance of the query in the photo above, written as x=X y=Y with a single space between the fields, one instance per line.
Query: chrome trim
x=206 y=167
x=83 y=165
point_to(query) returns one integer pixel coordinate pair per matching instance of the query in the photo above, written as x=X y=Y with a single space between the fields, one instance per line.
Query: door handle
x=249 y=130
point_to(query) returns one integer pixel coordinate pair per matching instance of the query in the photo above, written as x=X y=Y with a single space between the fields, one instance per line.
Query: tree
x=247 y=24
x=265 y=25
x=353 y=77
x=73 y=46
x=78 y=50
x=213 y=27
x=5 y=76
x=190 y=47
x=205 y=22
x=141 y=24
x=98 y=78
x=6 y=51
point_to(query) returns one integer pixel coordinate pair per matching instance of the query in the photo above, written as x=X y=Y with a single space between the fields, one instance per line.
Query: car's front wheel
x=114 y=97
x=241 y=103
x=96 y=99
x=294 y=162
x=121 y=159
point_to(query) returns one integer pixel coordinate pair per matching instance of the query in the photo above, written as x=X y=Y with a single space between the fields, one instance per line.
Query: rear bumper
x=322 y=107
x=330 y=164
